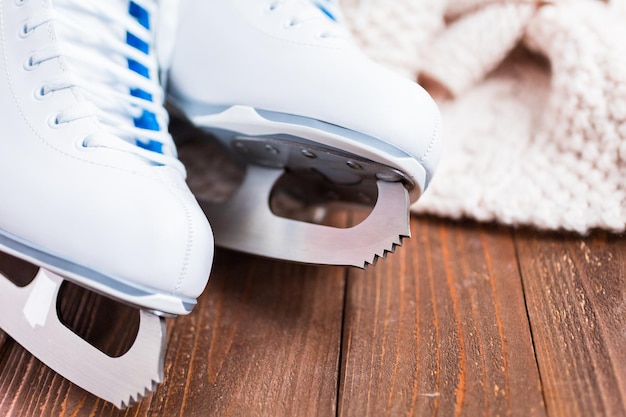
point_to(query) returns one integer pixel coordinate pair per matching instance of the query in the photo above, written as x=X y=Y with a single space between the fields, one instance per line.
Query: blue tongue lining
x=319 y=4
x=139 y=13
x=147 y=120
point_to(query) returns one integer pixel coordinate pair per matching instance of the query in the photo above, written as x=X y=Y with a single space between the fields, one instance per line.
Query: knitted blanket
x=533 y=98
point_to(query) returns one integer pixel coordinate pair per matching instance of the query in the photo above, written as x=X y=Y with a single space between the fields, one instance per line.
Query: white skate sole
x=345 y=166
x=132 y=294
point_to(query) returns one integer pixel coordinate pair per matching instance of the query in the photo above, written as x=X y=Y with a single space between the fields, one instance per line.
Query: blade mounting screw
x=308 y=154
x=354 y=165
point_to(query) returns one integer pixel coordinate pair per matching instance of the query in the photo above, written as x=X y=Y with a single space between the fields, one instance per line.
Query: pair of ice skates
x=92 y=190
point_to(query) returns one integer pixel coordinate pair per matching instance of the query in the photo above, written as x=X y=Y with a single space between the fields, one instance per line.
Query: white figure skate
x=91 y=188
x=283 y=85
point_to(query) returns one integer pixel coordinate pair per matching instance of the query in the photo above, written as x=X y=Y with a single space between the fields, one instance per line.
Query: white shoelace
x=101 y=62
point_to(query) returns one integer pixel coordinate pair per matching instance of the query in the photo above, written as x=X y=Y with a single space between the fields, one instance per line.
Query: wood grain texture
x=576 y=295
x=439 y=328
x=465 y=319
x=265 y=342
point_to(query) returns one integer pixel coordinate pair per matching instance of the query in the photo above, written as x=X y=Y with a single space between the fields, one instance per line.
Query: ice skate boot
x=92 y=191
x=283 y=86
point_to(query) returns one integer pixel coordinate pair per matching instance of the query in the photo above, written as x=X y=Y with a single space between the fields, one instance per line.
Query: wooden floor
x=464 y=319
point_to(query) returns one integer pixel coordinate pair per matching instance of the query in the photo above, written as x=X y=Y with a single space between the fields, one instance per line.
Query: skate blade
x=246 y=223
x=29 y=315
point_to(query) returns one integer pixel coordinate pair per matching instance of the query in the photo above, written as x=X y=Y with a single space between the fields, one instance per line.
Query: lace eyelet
x=291 y=24
x=40 y=93
x=20 y=2
x=29 y=64
x=324 y=35
x=24 y=31
x=81 y=143
x=271 y=8
x=54 y=121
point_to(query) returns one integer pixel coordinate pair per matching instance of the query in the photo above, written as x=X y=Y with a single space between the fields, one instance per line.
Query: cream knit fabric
x=535 y=120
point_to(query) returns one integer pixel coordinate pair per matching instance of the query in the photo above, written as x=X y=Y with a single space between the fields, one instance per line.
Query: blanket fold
x=533 y=98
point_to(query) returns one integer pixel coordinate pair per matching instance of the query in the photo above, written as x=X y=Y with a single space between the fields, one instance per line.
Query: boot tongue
x=147 y=119
x=331 y=9
x=165 y=32
x=125 y=22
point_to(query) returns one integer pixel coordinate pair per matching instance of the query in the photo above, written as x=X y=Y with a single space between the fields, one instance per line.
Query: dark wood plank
x=4 y=340
x=576 y=295
x=263 y=340
x=440 y=328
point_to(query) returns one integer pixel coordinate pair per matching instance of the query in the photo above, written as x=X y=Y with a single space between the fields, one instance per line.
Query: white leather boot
x=282 y=83
x=91 y=187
